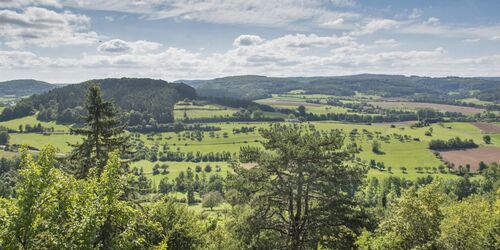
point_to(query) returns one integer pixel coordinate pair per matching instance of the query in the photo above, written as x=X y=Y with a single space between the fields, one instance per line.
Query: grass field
x=294 y=101
x=176 y=167
x=202 y=111
x=419 y=105
x=396 y=153
x=31 y=120
x=476 y=101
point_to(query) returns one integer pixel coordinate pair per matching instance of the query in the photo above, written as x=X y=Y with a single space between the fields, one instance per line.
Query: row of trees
x=451 y=144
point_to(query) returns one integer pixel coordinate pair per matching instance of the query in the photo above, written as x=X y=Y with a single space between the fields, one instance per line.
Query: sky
x=68 y=41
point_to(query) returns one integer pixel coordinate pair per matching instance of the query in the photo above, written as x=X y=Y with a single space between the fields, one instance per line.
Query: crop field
x=417 y=105
x=472 y=157
x=487 y=127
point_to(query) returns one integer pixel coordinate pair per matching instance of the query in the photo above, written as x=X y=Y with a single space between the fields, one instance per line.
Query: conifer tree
x=102 y=134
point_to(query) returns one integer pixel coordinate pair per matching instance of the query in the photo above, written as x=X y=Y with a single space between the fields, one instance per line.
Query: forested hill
x=25 y=87
x=151 y=99
x=255 y=87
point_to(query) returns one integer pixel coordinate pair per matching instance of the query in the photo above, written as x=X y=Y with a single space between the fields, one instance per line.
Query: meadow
x=408 y=157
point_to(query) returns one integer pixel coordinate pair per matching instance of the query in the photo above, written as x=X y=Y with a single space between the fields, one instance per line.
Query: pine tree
x=102 y=134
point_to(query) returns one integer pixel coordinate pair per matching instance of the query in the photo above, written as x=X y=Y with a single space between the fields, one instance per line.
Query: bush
x=208 y=168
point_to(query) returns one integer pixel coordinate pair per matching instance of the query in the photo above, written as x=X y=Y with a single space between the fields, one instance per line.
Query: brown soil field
x=440 y=107
x=487 y=127
x=472 y=156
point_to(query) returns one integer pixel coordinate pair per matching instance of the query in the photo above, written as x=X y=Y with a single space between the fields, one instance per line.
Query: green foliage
x=302 y=188
x=487 y=139
x=212 y=199
x=412 y=223
x=470 y=224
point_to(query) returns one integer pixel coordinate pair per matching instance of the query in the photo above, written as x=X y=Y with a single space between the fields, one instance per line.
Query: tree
x=487 y=139
x=376 y=147
x=4 y=137
x=212 y=199
x=468 y=224
x=412 y=223
x=302 y=188
x=102 y=134
x=302 y=110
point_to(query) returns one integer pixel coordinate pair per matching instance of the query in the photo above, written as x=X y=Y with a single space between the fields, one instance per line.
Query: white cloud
x=387 y=43
x=255 y=12
x=432 y=21
x=334 y=23
x=415 y=13
x=471 y=40
x=44 y=28
x=495 y=38
x=376 y=25
x=247 y=40
x=120 y=46
x=24 y=3
x=286 y=55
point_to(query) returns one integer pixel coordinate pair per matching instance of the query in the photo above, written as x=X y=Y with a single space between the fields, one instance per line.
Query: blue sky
x=75 y=40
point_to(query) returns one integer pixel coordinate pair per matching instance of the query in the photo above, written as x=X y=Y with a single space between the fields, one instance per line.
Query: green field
x=202 y=111
x=396 y=153
x=31 y=120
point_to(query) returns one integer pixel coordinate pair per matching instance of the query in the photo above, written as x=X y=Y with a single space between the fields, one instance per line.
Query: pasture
x=420 y=105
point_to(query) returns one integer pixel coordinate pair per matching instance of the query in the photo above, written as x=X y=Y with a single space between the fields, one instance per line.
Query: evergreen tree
x=102 y=134
x=302 y=189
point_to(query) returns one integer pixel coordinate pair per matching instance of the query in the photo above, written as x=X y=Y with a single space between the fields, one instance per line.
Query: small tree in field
x=376 y=147
x=212 y=200
x=487 y=139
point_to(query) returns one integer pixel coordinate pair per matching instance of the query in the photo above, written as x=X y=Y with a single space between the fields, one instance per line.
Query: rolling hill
x=152 y=100
x=253 y=87
x=25 y=87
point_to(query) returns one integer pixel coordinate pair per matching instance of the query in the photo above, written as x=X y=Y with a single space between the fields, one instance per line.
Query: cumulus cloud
x=285 y=55
x=376 y=25
x=247 y=40
x=415 y=13
x=388 y=43
x=120 y=46
x=432 y=21
x=45 y=28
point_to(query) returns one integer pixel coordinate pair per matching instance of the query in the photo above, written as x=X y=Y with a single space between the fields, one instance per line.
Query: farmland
x=417 y=105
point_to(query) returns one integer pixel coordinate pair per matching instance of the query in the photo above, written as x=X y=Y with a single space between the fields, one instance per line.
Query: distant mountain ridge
x=252 y=87
x=25 y=87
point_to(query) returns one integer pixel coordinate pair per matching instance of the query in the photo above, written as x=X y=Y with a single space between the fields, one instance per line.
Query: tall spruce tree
x=102 y=133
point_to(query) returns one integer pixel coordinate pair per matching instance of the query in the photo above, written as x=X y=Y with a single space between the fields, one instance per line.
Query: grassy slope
x=31 y=120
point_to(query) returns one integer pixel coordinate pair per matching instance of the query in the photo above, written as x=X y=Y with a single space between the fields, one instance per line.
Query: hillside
x=143 y=100
x=25 y=87
x=257 y=87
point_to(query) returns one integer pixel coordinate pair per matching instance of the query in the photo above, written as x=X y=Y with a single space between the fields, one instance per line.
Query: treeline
x=452 y=144
x=195 y=156
x=172 y=127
